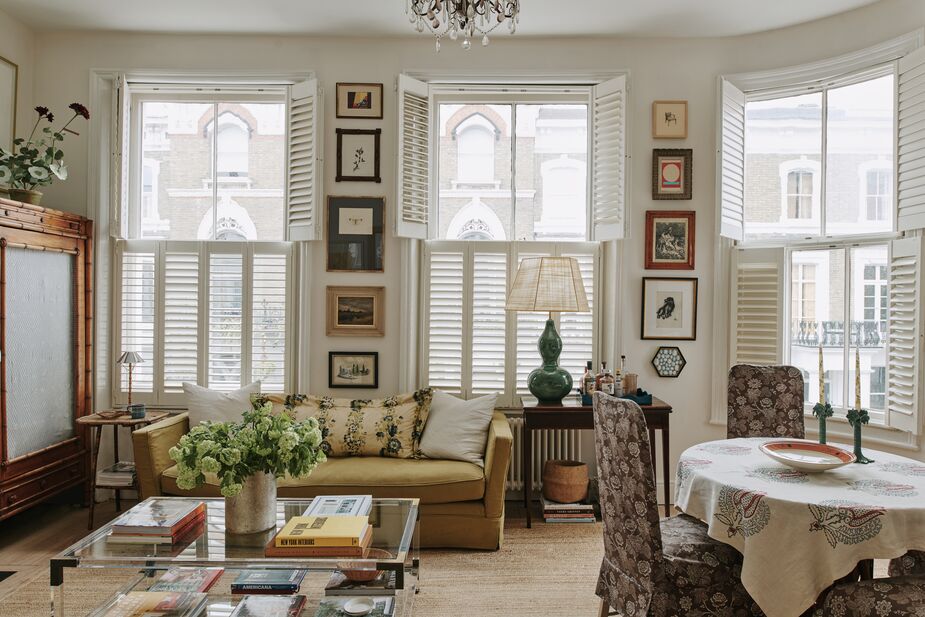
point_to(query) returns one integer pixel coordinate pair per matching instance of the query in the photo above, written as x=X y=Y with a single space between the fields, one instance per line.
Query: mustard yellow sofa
x=462 y=504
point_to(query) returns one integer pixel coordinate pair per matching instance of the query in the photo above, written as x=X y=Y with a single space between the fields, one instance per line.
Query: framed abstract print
x=353 y=369
x=671 y=173
x=670 y=240
x=669 y=308
x=669 y=120
x=355 y=234
x=355 y=311
x=359 y=101
x=358 y=155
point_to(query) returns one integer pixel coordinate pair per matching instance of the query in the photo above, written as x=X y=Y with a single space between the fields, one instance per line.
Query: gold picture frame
x=669 y=120
x=355 y=311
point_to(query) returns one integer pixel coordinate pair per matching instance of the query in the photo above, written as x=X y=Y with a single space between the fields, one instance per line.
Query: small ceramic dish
x=361 y=575
x=110 y=414
x=807 y=456
x=359 y=606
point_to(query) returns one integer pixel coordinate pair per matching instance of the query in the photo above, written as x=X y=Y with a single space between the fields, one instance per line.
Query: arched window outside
x=475 y=154
x=231 y=159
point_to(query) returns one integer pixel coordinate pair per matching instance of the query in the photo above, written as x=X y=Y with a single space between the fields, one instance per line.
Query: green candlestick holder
x=857 y=418
x=822 y=410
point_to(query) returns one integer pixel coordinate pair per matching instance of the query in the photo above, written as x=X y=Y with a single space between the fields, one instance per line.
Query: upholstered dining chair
x=652 y=567
x=765 y=401
x=902 y=596
x=910 y=564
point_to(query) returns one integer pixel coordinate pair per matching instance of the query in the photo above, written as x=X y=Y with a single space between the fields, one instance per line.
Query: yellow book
x=323 y=531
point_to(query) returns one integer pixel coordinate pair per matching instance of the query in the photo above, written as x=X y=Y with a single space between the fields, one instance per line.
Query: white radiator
x=547 y=445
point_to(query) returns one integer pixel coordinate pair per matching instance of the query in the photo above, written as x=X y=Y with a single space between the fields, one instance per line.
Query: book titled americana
x=323 y=531
x=334 y=607
x=268 y=581
x=156 y=604
x=158 y=517
x=269 y=606
x=188 y=579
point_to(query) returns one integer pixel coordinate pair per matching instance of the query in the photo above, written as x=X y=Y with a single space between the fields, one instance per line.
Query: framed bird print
x=669 y=308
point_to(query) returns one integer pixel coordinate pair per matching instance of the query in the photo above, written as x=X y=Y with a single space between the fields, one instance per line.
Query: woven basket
x=565 y=481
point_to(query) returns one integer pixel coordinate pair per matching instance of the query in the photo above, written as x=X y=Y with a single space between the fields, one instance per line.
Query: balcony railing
x=810 y=333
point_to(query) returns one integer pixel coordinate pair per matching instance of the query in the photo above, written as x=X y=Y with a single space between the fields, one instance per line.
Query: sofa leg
x=605 y=610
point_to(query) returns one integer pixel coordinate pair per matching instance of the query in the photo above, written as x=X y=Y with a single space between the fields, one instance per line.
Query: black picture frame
x=370 y=383
x=687 y=332
x=374 y=138
x=355 y=252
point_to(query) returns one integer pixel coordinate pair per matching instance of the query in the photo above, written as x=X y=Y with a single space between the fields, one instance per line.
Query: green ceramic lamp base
x=550 y=383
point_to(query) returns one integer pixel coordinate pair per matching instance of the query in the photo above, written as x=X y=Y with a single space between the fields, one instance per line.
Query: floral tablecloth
x=799 y=532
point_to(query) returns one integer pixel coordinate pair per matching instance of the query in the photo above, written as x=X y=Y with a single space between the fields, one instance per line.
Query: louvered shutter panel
x=758 y=301
x=905 y=335
x=489 y=321
x=119 y=148
x=413 y=179
x=303 y=186
x=181 y=317
x=608 y=188
x=577 y=329
x=911 y=142
x=268 y=315
x=730 y=168
x=445 y=319
x=225 y=320
x=136 y=318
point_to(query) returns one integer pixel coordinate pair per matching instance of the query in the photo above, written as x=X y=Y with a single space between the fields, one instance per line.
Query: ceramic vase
x=26 y=196
x=254 y=509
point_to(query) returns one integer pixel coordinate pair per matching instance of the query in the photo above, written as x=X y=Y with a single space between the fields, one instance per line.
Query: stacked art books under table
x=367 y=550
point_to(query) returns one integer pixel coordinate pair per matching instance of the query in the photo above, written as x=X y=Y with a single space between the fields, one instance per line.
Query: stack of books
x=118 y=475
x=155 y=604
x=322 y=536
x=339 y=505
x=568 y=512
x=269 y=606
x=189 y=580
x=159 y=521
x=273 y=582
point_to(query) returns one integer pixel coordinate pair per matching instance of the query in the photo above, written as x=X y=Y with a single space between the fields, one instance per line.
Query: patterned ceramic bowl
x=807 y=456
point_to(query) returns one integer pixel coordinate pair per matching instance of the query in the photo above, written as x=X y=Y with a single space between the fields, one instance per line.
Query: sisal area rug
x=550 y=570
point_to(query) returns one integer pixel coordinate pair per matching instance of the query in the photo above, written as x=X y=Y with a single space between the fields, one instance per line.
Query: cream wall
x=17 y=44
x=659 y=69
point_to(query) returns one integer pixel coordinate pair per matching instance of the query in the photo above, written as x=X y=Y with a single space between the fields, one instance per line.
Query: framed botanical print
x=670 y=240
x=669 y=308
x=359 y=101
x=669 y=120
x=353 y=369
x=358 y=155
x=355 y=234
x=671 y=173
x=355 y=311
x=9 y=76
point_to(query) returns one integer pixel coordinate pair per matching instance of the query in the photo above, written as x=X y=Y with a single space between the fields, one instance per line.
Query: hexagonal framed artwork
x=668 y=361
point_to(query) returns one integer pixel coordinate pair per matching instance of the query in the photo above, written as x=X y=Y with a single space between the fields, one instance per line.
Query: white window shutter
x=904 y=355
x=730 y=168
x=413 y=181
x=135 y=327
x=445 y=307
x=758 y=319
x=489 y=320
x=269 y=318
x=577 y=329
x=303 y=186
x=180 y=339
x=608 y=187
x=119 y=135
x=910 y=119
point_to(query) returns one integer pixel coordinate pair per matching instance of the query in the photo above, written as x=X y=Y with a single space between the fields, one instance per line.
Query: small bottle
x=607 y=383
x=600 y=375
x=587 y=380
x=618 y=378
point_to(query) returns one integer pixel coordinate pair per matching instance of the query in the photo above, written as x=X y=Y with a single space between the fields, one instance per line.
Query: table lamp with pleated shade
x=131 y=358
x=553 y=285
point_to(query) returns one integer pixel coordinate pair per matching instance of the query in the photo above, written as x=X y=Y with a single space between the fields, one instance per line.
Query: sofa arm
x=497 y=460
x=151 y=445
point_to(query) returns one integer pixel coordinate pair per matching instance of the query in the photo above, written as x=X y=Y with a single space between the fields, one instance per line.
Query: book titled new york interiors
x=323 y=531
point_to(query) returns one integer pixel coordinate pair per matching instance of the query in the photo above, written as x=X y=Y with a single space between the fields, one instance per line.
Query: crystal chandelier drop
x=463 y=18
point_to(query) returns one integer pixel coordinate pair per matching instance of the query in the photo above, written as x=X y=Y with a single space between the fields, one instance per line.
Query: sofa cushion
x=389 y=427
x=432 y=481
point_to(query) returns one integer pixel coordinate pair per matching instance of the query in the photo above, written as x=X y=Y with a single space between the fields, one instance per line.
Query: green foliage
x=261 y=443
x=37 y=161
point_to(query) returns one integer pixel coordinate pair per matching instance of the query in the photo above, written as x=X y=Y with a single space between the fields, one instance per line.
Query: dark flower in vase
x=43 y=112
x=80 y=110
x=50 y=116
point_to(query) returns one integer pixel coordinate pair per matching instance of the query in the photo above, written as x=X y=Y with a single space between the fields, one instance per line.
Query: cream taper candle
x=857 y=378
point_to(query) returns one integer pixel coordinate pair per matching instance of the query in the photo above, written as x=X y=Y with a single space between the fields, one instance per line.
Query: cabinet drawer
x=16 y=496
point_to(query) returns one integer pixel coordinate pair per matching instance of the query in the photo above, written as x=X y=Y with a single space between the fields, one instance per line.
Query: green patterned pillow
x=361 y=427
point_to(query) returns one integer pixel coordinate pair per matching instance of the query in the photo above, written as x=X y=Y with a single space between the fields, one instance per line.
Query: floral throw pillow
x=389 y=427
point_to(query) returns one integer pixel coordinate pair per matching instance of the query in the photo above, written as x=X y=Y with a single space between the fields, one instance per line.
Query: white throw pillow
x=205 y=405
x=456 y=429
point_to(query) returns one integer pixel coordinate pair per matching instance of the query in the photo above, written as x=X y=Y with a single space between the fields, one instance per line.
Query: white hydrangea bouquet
x=263 y=443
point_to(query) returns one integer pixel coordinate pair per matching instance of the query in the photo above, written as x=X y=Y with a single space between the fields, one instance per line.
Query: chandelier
x=463 y=18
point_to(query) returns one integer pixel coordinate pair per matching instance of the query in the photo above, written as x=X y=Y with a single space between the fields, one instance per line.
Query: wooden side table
x=97 y=422
x=571 y=416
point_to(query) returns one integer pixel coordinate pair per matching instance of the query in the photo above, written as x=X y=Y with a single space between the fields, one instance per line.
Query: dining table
x=799 y=532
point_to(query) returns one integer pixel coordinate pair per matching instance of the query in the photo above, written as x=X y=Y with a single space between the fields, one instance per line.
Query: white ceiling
x=386 y=17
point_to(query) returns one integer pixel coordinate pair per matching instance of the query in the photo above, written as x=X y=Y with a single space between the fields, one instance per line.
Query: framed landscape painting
x=355 y=311
x=671 y=173
x=670 y=240
x=353 y=369
x=355 y=234
x=669 y=308
x=359 y=101
x=358 y=155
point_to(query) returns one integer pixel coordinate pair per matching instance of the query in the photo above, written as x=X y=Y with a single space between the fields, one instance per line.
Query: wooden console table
x=571 y=416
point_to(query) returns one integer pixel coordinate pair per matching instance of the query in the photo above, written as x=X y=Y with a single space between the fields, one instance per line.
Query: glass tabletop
x=393 y=522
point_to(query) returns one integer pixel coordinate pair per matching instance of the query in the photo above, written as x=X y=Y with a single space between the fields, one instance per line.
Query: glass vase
x=254 y=509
